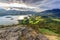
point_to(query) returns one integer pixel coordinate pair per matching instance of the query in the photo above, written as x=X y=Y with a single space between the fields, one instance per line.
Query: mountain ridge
x=51 y=13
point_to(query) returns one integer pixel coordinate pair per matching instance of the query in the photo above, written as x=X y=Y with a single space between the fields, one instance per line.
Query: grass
x=46 y=31
x=52 y=37
x=56 y=19
x=49 y=34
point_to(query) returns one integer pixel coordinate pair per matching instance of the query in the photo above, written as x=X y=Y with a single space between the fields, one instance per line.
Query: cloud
x=52 y=4
x=42 y=4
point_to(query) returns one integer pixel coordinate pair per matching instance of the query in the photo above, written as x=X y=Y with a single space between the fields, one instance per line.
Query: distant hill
x=16 y=12
x=47 y=13
x=51 y=13
x=2 y=12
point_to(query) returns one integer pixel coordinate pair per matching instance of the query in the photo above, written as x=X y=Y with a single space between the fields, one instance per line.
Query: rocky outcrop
x=20 y=33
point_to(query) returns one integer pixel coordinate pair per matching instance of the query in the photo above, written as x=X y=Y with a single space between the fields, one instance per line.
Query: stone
x=20 y=33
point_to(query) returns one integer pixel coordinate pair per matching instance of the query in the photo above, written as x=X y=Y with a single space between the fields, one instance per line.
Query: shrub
x=38 y=22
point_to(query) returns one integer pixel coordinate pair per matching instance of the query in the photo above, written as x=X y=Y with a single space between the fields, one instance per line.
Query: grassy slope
x=49 y=34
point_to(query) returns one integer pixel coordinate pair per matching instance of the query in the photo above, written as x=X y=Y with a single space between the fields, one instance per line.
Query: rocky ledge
x=20 y=33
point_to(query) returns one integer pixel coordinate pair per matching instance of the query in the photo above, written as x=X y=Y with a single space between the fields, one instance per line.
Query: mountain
x=51 y=13
x=2 y=12
x=47 y=13
x=15 y=12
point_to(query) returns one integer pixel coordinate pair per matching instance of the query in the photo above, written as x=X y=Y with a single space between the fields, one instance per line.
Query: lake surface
x=8 y=20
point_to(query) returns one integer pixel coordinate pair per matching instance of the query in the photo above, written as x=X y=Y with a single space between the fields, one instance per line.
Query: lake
x=8 y=20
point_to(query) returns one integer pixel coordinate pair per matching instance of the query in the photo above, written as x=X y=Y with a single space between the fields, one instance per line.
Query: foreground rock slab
x=20 y=33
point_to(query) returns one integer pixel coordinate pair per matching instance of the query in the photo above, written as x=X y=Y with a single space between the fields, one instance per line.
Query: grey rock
x=20 y=33
x=41 y=37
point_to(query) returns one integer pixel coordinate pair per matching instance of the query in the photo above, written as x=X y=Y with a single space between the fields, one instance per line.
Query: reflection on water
x=8 y=20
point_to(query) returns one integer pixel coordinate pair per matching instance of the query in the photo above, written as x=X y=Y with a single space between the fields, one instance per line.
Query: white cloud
x=16 y=5
x=49 y=4
x=42 y=4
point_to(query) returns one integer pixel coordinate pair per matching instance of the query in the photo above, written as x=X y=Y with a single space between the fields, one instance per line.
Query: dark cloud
x=43 y=4
x=31 y=1
x=25 y=1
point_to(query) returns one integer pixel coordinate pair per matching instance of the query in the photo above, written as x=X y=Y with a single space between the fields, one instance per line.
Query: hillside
x=51 y=13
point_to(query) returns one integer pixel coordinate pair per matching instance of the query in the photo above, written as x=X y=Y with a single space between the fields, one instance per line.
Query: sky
x=41 y=4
